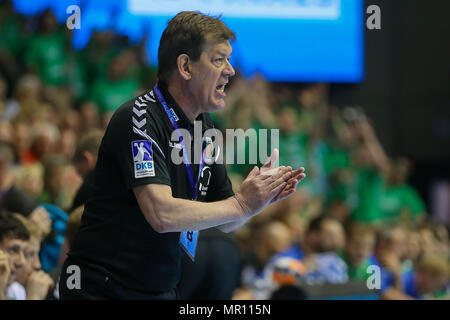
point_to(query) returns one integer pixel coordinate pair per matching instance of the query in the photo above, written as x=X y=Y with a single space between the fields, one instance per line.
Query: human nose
x=37 y=264
x=20 y=260
x=229 y=69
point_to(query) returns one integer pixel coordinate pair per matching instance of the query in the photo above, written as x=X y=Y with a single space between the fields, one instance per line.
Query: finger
x=277 y=190
x=297 y=172
x=281 y=179
x=285 y=193
x=274 y=173
x=292 y=181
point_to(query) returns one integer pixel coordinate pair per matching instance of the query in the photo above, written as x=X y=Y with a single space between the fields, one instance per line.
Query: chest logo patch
x=143 y=159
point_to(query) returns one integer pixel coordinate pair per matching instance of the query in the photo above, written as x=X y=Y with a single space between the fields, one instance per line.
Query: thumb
x=272 y=160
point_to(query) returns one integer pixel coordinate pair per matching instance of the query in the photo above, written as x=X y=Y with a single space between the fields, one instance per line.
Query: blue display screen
x=285 y=40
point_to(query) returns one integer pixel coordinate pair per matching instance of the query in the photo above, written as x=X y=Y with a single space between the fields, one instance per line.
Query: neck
x=184 y=98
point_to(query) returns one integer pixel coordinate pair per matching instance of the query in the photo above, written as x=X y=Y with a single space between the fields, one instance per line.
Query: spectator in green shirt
x=359 y=247
x=47 y=52
x=399 y=200
x=117 y=87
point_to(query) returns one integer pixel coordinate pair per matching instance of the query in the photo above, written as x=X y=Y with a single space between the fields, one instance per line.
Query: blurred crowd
x=354 y=211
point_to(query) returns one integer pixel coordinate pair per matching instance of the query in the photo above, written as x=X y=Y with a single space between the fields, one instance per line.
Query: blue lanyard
x=186 y=160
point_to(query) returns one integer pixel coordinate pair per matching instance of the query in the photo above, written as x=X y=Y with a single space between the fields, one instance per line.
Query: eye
x=13 y=250
x=218 y=61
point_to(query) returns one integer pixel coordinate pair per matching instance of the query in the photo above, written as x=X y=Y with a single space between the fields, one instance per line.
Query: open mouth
x=221 y=88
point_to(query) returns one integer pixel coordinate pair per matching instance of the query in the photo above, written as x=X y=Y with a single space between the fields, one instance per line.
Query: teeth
x=221 y=88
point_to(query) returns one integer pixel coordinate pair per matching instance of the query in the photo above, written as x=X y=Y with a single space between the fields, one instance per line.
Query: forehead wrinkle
x=215 y=46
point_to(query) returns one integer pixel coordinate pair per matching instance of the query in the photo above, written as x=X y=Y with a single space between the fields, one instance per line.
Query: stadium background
x=403 y=89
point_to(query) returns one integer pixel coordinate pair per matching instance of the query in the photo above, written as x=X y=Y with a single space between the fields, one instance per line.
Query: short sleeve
x=139 y=149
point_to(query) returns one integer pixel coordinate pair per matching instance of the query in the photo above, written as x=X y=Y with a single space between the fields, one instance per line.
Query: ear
x=184 y=66
x=90 y=159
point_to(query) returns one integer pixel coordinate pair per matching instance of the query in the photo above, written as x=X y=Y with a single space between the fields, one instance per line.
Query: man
x=12 y=198
x=13 y=238
x=359 y=247
x=429 y=281
x=84 y=160
x=31 y=282
x=129 y=244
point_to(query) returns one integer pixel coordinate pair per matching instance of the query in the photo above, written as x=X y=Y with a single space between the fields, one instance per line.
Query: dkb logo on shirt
x=143 y=159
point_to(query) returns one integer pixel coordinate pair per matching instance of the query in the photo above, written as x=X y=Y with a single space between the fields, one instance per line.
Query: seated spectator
x=325 y=267
x=84 y=160
x=430 y=281
x=323 y=263
x=50 y=65
x=12 y=198
x=315 y=261
x=31 y=108
x=117 y=86
x=360 y=245
x=67 y=142
x=13 y=240
x=323 y=234
x=89 y=116
x=51 y=245
x=413 y=251
x=270 y=239
x=44 y=140
x=73 y=223
x=389 y=250
x=31 y=282
x=400 y=201
x=31 y=179
x=60 y=182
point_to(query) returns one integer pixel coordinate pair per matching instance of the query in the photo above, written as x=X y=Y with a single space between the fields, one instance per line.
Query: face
x=14 y=248
x=399 y=243
x=209 y=76
x=332 y=235
x=359 y=248
x=32 y=262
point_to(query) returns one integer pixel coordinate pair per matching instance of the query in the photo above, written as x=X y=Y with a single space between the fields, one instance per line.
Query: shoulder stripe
x=140 y=105
x=148 y=98
x=139 y=113
x=142 y=100
x=139 y=124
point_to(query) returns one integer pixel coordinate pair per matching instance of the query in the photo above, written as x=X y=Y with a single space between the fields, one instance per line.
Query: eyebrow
x=222 y=53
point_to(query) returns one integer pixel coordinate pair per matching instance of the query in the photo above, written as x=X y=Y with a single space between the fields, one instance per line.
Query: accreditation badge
x=188 y=241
